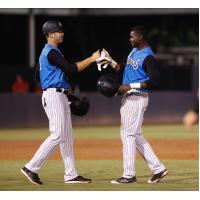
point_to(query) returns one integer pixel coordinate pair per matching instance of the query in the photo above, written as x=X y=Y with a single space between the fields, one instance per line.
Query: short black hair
x=140 y=30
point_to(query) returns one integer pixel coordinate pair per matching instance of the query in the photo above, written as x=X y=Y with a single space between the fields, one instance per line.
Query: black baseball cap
x=52 y=26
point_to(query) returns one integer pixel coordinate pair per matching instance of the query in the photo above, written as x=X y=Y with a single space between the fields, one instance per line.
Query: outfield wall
x=26 y=110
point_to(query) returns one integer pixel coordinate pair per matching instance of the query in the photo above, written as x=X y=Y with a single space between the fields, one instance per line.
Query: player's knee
x=128 y=131
x=127 y=134
x=56 y=139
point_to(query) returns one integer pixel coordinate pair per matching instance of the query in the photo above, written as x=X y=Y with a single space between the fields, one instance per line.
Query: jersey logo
x=133 y=62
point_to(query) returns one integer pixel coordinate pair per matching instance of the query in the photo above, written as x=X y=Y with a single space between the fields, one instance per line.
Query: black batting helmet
x=108 y=85
x=79 y=107
x=52 y=26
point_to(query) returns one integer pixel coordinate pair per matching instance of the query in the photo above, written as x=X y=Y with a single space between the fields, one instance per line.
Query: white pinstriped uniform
x=58 y=111
x=132 y=111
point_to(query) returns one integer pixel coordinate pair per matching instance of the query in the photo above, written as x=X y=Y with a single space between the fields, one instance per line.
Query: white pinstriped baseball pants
x=57 y=109
x=132 y=111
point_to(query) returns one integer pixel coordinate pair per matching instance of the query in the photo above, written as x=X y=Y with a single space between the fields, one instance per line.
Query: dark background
x=84 y=34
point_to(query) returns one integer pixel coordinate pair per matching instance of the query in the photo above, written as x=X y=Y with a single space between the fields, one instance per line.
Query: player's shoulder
x=148 y=49
x=132 y=52
x=150 y=57
x=54 y=52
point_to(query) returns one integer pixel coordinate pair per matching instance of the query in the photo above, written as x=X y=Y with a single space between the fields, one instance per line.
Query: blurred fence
x=173 y=35
x=25 y=111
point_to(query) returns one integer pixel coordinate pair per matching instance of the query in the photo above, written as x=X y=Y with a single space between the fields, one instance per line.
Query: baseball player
x=54 y=71
x=140 y=75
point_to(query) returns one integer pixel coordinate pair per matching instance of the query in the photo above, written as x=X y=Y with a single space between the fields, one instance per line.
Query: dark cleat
x=157 y=177
x=124 y=180
x=79 y=179
x=32 y=177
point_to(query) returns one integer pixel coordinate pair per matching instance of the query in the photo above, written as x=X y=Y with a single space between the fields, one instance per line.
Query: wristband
x=135 y=85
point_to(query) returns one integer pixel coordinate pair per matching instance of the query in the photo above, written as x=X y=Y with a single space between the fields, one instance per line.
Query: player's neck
x=52 y=43
x=143 y=45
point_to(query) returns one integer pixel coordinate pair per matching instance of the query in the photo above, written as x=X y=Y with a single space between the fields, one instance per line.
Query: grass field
x=183 y=174
x=150 y=132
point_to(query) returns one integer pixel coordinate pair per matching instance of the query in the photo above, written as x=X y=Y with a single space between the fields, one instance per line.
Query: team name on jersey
x=133 y=62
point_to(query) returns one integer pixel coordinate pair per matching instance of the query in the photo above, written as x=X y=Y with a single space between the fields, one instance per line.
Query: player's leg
x=66 y=149
x=146 y=151
x=129 y=120
x=55 y=113
x=145 y=148
x=148 y=154
x=66 y=146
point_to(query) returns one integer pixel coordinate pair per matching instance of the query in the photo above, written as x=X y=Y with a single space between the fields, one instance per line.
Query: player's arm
x=56 y=59
x=150 y=65
x=85 y=63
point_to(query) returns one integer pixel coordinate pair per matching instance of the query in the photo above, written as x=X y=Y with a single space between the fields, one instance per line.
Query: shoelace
x=123 y=180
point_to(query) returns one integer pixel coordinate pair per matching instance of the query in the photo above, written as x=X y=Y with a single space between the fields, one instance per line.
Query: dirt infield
x=101 y=149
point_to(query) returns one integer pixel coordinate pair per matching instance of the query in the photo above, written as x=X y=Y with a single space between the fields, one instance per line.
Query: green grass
x=183 y=176
x=150 y=132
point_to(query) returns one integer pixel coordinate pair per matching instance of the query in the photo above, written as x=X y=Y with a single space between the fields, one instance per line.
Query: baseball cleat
x=124 y=180
x=157 y=177
x=79 y=179
x=32 y=177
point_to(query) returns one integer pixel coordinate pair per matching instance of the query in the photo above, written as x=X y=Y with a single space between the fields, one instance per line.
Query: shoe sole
x=157 y=180
x=25 y=174
x=72 y=182
x=116 y=182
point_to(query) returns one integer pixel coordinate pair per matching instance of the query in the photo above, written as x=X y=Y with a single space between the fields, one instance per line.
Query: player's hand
x=109 y=59
x=95 y=56
x=102 y=62
x=123 y=89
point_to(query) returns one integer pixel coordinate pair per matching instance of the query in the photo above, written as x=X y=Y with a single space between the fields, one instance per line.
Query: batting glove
x=102 y=62
x=109 y=59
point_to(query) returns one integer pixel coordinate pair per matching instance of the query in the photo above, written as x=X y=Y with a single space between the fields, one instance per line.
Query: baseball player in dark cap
x=54 y=72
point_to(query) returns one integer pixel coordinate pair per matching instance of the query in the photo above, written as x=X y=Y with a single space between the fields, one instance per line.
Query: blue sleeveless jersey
x=51 y=76
x=134 y=72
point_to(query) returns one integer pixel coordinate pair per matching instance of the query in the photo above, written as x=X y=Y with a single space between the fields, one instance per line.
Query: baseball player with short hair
x=140 y=75
x=54 y=71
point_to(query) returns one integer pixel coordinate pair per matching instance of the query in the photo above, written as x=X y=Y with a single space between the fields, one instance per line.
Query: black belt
x=136 y=94
x=65 y=91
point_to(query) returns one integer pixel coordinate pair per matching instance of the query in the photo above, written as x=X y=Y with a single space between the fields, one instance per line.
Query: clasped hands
x=104 y=60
